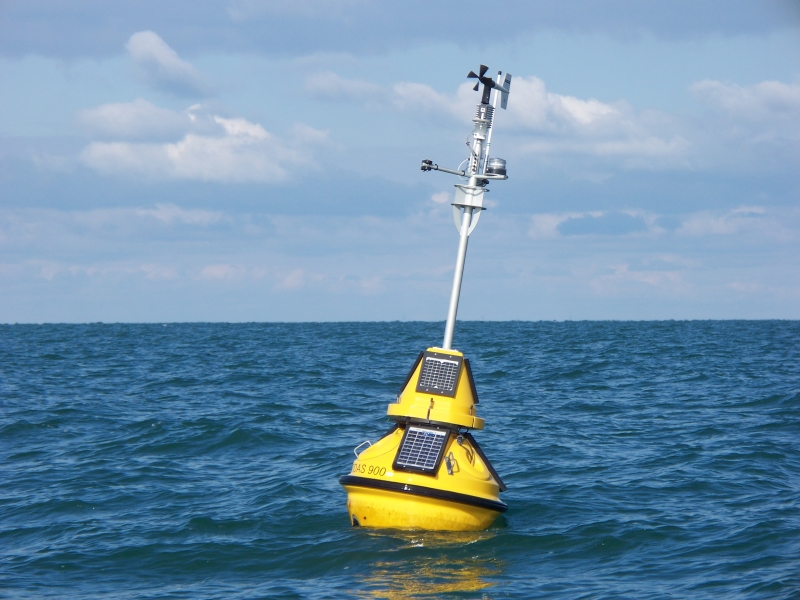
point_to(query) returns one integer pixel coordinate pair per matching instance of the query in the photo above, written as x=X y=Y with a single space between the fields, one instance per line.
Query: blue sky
x=259 y=161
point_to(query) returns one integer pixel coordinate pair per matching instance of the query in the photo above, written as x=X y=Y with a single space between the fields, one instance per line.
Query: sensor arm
x=429 y=165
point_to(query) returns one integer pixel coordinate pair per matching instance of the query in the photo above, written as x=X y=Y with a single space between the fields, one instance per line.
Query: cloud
x=754 y=222
x=745 y=286
x=293 y=281
x=330 y=86
x=751 y=124
x=739 y=220
x=742 y=121
x=162 y=68
x=169 y=213
x=221 y=271
x=622 y=275
x=558 y=124
x=542 y=122
x=164 y=258
x=545 y=225
x=27 y=226
x=305 y=27
x=618 y=223
x=536 y=109
x=766 y=100
x=608 y=223
x=135 y=120
x=403 y=96
x=409 y=96
x=49 y=269
x=215 y=149
x=767 y=112
x=243 y=10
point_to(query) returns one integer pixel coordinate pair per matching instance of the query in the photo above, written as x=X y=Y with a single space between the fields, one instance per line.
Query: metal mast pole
x=469 y=198
x=461 y=257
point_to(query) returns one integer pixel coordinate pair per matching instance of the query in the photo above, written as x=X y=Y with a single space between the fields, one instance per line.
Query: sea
x=200 y=460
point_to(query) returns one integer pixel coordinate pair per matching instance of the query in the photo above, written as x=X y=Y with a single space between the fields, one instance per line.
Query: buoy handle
x=355 y=450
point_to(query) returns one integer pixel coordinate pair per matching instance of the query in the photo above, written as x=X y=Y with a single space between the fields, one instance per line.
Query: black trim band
x=418 y=490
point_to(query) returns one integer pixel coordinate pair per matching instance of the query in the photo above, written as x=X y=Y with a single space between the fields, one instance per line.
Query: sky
x=259 y=160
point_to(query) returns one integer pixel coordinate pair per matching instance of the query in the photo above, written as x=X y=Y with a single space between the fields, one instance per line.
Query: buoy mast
x=468 y=202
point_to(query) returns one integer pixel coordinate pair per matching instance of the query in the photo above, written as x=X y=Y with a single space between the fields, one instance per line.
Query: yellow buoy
x=428 y=472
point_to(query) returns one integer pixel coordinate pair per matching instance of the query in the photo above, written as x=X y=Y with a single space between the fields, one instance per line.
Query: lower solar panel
x=421 y=449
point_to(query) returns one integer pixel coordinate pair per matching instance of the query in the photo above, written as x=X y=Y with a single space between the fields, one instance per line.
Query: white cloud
x=745 y=126
x=543 y=123
x=139 y=119
x=753 y=221
x=221 y=271
x=218 y=149
x=169 y=213
x=441 y=197
x=330 y=86
x=768 y=100
x=156 y=271
x=162 y=67
x=420 y=97
x=305 y=135
x=49 y=269
x=563 y=124
x=622 y=275
x=745 y=286
x=536 y=109
x=403 y=96
x=750 y=127
x=548 y=123
x=179 y=252
x=241 y=10
x=293 y=281
x=639 y=151
x=545 y=225
x=753 y=126
x=742 y=219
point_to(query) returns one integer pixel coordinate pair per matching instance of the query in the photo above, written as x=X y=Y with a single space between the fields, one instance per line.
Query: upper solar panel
x=439 y=374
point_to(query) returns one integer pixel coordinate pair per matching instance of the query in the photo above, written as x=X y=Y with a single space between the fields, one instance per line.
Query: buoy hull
x=461 y=494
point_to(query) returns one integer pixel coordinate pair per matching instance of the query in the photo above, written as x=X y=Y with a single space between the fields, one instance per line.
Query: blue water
x=643 y=460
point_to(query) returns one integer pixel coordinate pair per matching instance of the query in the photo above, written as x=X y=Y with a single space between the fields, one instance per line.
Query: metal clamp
x=450 y=462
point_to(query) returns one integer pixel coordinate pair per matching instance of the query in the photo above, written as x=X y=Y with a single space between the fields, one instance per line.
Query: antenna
x=468 y=202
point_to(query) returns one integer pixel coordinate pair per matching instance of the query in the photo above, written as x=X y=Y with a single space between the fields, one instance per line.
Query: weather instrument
x=428 y=471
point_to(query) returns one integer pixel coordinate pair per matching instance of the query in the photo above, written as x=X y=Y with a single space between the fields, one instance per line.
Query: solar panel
x=439 y=374
x=421 y=449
